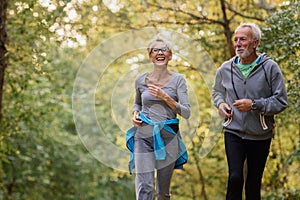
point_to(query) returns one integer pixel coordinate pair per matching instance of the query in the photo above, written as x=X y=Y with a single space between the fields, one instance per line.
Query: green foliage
x=41 y=155
x=280 y=42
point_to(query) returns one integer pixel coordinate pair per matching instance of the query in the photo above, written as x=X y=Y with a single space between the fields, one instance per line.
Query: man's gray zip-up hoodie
x=264 y=85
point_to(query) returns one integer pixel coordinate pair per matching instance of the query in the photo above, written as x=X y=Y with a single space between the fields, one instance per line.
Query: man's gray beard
x=245 y=54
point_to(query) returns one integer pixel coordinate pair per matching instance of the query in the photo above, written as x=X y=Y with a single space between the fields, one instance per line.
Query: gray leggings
x=146 y=164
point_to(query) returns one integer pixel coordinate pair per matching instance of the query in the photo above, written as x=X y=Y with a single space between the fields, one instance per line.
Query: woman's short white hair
x=254 y=28
x=159 y=38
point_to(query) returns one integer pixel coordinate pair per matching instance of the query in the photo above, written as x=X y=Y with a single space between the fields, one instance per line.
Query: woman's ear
x=170 y=57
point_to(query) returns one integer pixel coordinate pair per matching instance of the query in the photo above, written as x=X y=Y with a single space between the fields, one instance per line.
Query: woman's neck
x=160 y=72
x=159 y=77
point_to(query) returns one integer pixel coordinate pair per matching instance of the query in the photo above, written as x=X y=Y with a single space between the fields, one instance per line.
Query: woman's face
x=160 y=54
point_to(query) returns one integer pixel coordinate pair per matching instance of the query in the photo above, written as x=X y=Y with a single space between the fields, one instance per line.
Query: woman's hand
x=156 y=91
x=159 y=93
x=136 y=118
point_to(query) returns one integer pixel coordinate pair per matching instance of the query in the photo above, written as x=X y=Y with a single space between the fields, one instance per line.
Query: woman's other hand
x=136 y=118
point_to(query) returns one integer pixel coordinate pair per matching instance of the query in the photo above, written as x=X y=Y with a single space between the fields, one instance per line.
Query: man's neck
x=250 y=59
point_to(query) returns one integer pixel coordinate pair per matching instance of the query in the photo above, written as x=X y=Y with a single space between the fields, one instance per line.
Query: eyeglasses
x=163 y=50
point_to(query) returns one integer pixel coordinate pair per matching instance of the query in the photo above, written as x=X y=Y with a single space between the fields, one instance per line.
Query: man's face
x=244 y=43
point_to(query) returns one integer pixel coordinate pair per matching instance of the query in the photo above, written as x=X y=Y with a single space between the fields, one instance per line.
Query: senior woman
x=155 y=141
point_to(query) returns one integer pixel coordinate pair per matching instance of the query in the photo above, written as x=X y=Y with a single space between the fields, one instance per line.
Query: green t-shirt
x=247 y=68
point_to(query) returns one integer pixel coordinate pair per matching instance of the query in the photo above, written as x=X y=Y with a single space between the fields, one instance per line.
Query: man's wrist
x=253 y=105
x=220 y=104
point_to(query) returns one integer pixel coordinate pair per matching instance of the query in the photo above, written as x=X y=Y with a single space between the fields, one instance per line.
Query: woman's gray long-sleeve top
x=155 y=108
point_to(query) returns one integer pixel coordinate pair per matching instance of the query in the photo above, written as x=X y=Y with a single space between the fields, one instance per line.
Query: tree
x=41 y=156
x=211 y=23
x=3 y=51
x=281 y=40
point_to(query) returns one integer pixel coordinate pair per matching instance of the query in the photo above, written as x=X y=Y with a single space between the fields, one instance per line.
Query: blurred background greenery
x=41 y=154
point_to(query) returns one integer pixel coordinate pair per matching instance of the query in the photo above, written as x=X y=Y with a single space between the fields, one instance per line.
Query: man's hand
x=243 y=105
x=225 y=110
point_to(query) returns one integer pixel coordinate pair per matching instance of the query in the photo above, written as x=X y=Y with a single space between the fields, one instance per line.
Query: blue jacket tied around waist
x=159 y=146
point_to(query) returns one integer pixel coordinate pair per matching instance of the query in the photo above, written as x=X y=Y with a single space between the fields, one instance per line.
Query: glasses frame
x=157 y=50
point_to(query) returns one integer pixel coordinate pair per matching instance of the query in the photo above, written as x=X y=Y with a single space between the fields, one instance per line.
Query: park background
x=45 y=42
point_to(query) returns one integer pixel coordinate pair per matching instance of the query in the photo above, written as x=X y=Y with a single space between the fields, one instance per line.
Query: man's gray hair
x=254 y=28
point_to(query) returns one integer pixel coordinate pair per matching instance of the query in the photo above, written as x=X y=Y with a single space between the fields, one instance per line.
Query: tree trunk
x=227 y=31
x=3 y=51
x=201 y=176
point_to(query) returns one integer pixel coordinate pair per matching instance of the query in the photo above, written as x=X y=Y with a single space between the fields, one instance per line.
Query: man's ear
x=256 y=42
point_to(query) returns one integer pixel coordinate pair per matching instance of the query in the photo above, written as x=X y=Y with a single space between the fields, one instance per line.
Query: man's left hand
x=243 y=105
